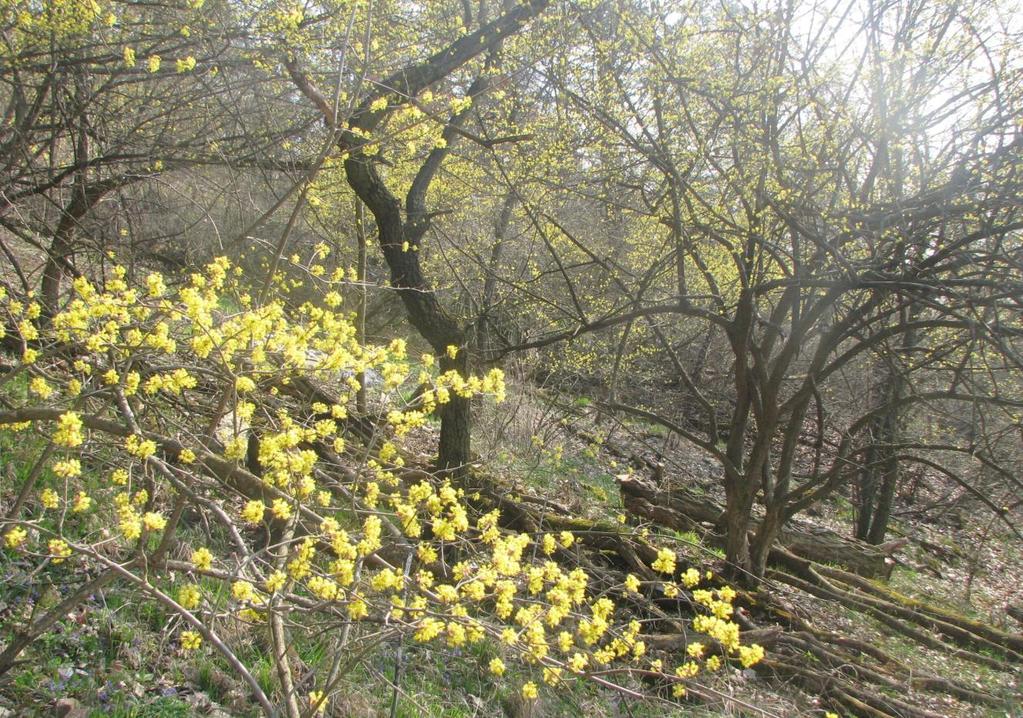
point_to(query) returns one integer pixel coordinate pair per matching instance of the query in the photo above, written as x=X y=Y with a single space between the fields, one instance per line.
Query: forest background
x=600 y=355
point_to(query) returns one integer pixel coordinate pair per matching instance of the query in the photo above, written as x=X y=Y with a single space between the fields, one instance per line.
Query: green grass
x=688 y=537
x=162 y=707
x=456 y=684
x=551 y=473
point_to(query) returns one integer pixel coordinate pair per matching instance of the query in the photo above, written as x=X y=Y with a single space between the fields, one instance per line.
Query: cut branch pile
x=682 y=510
x=852 y=675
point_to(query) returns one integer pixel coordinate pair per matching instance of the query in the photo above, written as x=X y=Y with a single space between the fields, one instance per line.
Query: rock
x=69 y=708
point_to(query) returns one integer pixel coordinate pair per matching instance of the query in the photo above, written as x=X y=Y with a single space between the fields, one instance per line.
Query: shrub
x=164 y=414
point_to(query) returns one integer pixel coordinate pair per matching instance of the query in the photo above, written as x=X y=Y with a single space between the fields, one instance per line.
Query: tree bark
x=58 y=257
x=399 y=235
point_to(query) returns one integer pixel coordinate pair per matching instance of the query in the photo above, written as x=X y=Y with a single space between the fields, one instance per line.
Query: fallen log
x=1015 y=612
x=920 y=635
x=930 y=616
x=684 y=511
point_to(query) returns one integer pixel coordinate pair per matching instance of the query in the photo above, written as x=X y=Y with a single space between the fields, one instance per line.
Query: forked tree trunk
x=398 y=235
x=424 y=310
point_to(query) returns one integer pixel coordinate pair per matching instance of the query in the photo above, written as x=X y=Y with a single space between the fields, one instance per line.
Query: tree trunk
x=886 y=497
x=58 y=256
x=487 y=323
x=879 y=478
x=400 y=249
x=866 y=492
x=737 y=526
x=399 y=240
x=766 y=535
x=454 y=450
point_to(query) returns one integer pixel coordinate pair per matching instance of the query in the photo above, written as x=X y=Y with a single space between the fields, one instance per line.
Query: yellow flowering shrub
x=352 y=538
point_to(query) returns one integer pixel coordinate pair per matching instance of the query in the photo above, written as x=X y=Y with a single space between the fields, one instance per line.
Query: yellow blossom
x=317 y=703
x=68 y=468
x=275 y=581
x=190 y=640
x=243 y=591
x=189 y=596
x=202 y=559
x=691 y=577
x=15 y=537
x=281 y=509
x=82 y=502
x=154 y=521
x=140 y=447
x=665 y=562
x=253 y=511
x=39 y=387
x=59 y=550
x=357 y=609
x=750 y=655
x=49 y=498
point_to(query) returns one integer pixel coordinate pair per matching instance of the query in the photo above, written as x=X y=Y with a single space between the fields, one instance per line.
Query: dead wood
x=848 y=600
x=930 y=615
x=683 y=511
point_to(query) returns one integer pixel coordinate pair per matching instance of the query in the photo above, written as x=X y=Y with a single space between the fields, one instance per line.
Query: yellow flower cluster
x=190 y=640
x=59 y=550
x=140 y=448
x=173 y=382
x=665 y=562
x=253 y=511
x=69 y=430
x=15 y=537
x=470 y=578
x=68 y=468
x=189 y=596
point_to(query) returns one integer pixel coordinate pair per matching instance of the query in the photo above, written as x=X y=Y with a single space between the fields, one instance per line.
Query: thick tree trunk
x=425 y=313
x=736 y=522
x=453 y=451
x=397 y=234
